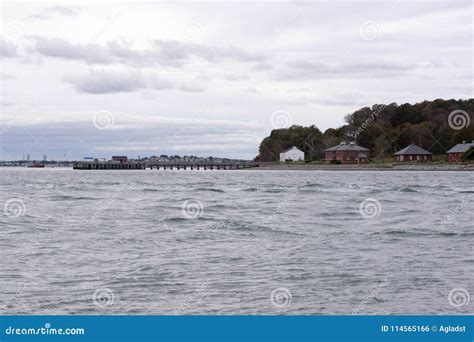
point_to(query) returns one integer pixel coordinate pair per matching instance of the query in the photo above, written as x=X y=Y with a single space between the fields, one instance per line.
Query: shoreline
x=364 y=167
x=301 y=167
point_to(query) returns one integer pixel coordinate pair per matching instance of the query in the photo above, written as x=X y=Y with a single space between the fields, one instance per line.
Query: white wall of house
x=293 y=154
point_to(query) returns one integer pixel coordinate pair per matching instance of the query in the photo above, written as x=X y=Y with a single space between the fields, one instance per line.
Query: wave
x=418 y=232
x=312 y=185
x=209 y=189
x=447 y=234
x=407 y=190
x=250 y=189
x=204 y=183
x=175 y=219
x=218 y=206
x=275 y=190
x=253 y=228
x=254 y=189
x=74 y=198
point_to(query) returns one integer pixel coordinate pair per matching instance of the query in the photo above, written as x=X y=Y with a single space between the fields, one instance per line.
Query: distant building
x=347 y=153
x=292 y=154
x=120 y=159
x=455 y=153
x=413 y=153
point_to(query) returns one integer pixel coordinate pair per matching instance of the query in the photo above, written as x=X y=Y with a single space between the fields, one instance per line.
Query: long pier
x=165 y=165
x=107 y=165
x=197 y=165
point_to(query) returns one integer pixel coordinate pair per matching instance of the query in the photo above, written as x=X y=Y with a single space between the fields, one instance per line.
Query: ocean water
x=236 y=242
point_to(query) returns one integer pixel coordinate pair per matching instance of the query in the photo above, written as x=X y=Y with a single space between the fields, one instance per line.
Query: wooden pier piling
x=196 y=165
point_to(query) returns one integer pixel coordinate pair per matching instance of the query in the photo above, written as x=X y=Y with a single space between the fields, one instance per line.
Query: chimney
x=464 y=141
x=352 y=143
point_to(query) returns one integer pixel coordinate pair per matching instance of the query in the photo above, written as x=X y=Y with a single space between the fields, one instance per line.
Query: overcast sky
x=210 y=78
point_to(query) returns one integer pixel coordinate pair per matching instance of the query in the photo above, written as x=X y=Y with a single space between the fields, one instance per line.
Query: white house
x=291 y=154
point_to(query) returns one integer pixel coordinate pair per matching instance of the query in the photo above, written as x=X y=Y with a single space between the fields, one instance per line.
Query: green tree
x=396 y=126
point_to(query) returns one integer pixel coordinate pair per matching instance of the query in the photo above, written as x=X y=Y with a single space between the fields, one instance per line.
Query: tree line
x=384 y=129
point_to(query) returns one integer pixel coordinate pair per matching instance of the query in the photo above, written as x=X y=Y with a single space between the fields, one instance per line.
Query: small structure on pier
x=456 y=152
x=347 y=153
x=292 y=154
x=120 y=159
x=413 y=153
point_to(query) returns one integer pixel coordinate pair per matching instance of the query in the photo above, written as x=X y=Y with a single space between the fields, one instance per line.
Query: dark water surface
x=236 y=242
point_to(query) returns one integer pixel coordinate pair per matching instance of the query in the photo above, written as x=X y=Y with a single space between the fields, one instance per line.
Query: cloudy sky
x=210 y=78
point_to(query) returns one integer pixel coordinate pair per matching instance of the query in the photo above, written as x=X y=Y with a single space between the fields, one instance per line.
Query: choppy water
x=120 y=242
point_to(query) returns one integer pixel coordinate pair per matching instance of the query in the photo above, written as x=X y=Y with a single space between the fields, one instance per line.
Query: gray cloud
x=161 y=52
x=262 y=66
x=7 y=49
x=302 y=101
x=112 y=81
x=310 y=56
x=168 y=49
x=6 y=76
x=302 y=69
x=48 y=12
x=60 y=48
x=102 y=82
x=339 y=101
